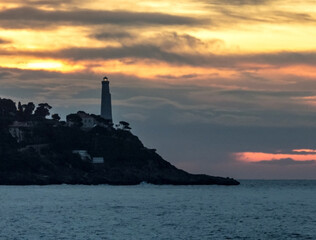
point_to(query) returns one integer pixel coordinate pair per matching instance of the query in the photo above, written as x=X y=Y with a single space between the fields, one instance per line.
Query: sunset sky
x=222 y=87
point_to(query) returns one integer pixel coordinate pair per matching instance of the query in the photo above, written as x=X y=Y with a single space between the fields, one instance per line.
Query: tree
x=25 y=111
x=7 y=107
x=20 y=109
x=102 y=121
x=28 y=109
x=124 y=126
x=56 y=117
x=7 y=112
x=42 y=111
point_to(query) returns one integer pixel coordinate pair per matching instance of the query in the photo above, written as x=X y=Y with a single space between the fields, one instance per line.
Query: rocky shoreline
x=115 y=177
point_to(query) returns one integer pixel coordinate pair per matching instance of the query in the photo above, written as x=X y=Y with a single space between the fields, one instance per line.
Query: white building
x=97 y=160
x=83 y=154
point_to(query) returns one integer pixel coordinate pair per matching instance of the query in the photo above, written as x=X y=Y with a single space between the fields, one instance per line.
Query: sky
x=221 y=87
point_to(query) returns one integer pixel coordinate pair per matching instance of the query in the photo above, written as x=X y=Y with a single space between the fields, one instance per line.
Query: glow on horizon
x=253 y=157
x=304 y=150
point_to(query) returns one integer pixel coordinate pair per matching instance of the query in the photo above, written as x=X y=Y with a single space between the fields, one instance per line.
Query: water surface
x=254 y=210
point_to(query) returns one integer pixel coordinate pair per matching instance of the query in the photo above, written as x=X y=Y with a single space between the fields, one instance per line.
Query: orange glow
x=44 y=65
x=304 y=150
x=299 y=70
x=155 y=70
x=227 y=36
x=262 y=35
x=260 y=156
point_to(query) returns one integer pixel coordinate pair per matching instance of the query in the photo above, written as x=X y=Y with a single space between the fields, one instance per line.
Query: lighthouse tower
x=106 y=106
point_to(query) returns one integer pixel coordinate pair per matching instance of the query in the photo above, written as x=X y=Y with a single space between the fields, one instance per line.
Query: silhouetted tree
x=20 y=109
x=25 y=111
x=7 y=112
x=28 y=109
x=7 y=107
x=124 y=125
x=101 y=120
x=42 y=110
x=82 y=112
x=56 y=117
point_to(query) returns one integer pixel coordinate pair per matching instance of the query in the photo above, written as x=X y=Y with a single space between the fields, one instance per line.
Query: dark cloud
x=186 y=76
x=27 y=17
x=165 y=49
x=286 y=161
x=237 y=2
x=186 y=103
x=110 y=35
x=4 y=41
x=171 y=40
x=277 y=93
x=45 y=3
x=263 y=16
x=251 y=12
x=154 y=52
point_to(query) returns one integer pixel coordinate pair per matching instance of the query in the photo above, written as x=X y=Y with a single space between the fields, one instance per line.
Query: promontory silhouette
x=84 y=149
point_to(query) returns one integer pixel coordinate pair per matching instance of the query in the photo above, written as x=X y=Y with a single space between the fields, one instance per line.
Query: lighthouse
x=106 y=106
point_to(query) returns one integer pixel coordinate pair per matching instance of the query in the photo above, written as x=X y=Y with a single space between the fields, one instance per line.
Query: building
x=97 y=160
x=19 y=129
x=106 y=106
x=84 y=155
x=87 y=120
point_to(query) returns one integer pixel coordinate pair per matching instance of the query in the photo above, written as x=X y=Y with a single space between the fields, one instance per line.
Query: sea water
x=253 y=210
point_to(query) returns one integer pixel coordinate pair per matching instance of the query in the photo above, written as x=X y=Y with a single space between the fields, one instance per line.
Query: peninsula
x=84 y=149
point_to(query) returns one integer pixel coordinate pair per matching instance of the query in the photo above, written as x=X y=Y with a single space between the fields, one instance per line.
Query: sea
x=256 y=209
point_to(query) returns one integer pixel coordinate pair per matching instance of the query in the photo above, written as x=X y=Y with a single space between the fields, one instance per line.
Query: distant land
x=84 y=149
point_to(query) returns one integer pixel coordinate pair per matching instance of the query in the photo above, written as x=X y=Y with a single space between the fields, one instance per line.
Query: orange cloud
x=304 y=150
x=261 y=156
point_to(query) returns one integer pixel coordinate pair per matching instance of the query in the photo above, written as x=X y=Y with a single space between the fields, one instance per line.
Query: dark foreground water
x=253 y=210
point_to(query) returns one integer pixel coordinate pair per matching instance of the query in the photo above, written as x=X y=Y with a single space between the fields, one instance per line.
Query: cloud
x=28 y=17
x=242 y=16
x=238 y=2
x=112 y=35
x=135 y=117
x=286 y=161
x=4 y=41
x=186 y=76
x=156 y=52
x=187 y=103
x=44 y=3
x=251 y=12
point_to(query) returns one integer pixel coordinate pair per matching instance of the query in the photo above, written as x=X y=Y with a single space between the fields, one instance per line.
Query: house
x=83 y=154
x=86 y=156
x=97 y=160
x=87 y=120
x=19 y=129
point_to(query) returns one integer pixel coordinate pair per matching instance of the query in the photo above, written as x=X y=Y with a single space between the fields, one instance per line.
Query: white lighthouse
x=106 y=106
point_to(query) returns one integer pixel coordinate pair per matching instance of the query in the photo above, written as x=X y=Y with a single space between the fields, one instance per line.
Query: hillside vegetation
x=42 y=151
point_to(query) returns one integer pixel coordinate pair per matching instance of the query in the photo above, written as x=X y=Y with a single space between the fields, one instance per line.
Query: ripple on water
x=253 y=210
